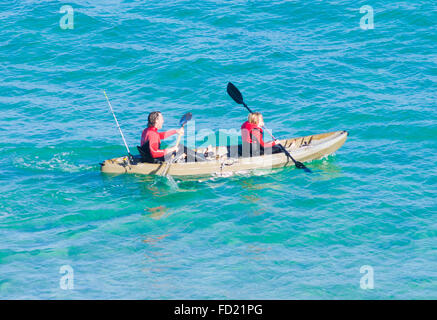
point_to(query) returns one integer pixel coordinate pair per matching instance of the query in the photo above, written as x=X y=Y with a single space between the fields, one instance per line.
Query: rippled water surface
x=285 y=234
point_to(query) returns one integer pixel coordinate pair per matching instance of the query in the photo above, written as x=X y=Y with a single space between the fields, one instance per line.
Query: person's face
x=261 y=121
x=159 y=121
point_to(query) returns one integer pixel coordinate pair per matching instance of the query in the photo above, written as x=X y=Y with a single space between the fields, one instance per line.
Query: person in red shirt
x=150 y=149
x=252 y=137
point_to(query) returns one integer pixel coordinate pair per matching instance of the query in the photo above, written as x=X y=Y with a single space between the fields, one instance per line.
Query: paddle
x=185 y=118
x=236 y=95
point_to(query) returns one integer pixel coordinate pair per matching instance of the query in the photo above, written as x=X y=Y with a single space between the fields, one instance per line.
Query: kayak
x=219 y=162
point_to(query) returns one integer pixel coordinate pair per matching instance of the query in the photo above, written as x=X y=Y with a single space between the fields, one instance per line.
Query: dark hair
x=153 y=116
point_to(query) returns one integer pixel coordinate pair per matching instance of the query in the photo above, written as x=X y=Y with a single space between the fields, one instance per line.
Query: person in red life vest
x=252 y=137
x=150 y=149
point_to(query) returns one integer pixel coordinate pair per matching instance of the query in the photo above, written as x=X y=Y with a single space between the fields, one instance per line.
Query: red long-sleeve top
x=154 y=138
x=252 y=133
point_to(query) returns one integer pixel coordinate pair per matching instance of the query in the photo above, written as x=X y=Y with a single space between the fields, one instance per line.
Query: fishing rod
x=118 y=126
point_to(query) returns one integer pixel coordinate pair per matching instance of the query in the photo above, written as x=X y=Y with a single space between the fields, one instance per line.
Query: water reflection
x=251 y=198
x=252 y=194
x=256 y=252
x=156 y=258
x=152 y=240
x=158 y=212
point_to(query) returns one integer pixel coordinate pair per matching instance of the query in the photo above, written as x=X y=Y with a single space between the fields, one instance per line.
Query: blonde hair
x=255 y=118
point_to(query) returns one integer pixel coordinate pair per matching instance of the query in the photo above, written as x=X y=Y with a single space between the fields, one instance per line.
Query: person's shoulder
x=148 y=131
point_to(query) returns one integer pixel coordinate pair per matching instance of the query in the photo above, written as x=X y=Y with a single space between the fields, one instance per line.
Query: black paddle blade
x=185 y=118
x=234 y=93
x=300 y=165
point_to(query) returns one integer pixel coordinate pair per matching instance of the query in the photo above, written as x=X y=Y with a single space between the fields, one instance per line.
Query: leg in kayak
x=185 y=154
x=251 y=150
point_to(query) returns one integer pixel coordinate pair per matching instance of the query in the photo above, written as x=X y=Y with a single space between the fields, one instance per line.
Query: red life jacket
x=251 y=133
x=151 y=141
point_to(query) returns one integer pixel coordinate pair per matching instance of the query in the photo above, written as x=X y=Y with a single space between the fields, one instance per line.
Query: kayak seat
x=142 y=154
x=145 y=158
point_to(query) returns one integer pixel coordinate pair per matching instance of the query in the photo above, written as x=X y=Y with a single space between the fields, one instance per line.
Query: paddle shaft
x=178 y=139
x=173 y=155
x=118 y=125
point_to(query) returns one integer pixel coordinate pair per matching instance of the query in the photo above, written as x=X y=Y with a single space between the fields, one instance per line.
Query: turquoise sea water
x=307 y=66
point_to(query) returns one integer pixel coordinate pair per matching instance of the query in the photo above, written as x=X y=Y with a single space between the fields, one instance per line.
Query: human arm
x=155 y=152
x=166 y=134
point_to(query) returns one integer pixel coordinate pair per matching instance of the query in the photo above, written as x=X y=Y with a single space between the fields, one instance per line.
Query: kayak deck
x=302 y=149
